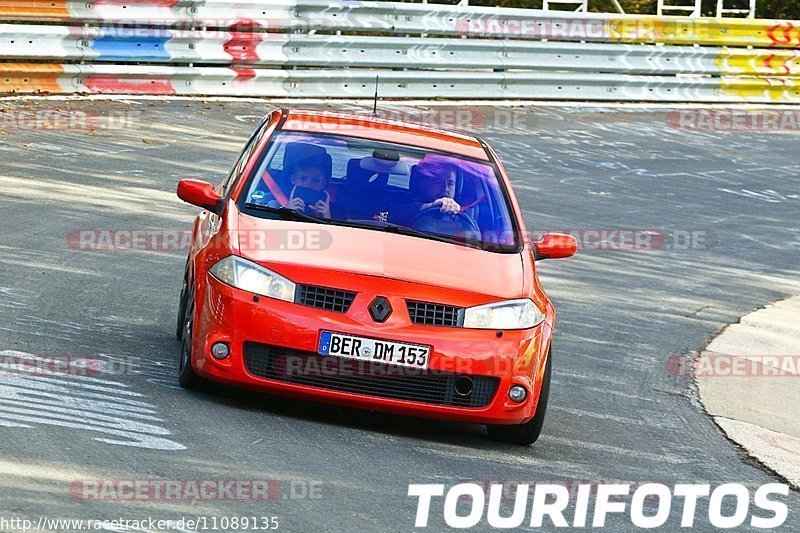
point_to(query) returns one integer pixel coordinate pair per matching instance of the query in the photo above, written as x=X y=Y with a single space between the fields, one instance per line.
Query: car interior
x=381 y=183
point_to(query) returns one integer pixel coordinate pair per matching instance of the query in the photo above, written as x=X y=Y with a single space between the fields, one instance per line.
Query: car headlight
x=511 y=314
x=248 y=276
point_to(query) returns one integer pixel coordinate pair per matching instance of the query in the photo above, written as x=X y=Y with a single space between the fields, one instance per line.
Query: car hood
x=282 y=245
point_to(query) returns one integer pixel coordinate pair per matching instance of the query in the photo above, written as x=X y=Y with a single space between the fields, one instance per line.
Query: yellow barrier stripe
x=762 y=62
x=704 y=31
x=776 y=90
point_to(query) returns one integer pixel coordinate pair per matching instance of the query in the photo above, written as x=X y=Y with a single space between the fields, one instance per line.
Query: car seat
x=364 y=191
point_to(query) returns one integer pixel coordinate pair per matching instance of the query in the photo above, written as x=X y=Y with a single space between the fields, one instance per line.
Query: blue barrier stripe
x=141 y=48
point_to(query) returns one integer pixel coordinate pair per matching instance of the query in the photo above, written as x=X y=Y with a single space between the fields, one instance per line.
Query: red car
x=374 y=264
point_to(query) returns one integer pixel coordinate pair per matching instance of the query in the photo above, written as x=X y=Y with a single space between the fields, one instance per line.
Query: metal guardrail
x=57 y=43
x=145 y=79
x=410 y=18
x=253 y=48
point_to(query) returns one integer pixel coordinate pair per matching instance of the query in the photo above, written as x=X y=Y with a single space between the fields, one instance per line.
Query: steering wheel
x=432 y=219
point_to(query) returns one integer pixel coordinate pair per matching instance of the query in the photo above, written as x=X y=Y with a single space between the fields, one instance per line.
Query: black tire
x=187 y=377
x=527 y=433
x=181 y=323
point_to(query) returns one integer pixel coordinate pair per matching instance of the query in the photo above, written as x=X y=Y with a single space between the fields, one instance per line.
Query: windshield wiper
x=288 y=214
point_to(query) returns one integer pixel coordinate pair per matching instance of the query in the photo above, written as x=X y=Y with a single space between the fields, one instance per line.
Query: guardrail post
x=691 y=10
x=581 y=6
x=750 y=12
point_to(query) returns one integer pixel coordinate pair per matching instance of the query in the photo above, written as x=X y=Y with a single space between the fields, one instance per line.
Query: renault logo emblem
x=380 y=309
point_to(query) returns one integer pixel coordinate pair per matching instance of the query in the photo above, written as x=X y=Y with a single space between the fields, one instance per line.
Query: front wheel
x=187 y=377
x=181 y=322
x=529 y=432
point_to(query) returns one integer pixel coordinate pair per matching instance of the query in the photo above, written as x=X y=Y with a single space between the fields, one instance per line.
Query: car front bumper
x=273 y=347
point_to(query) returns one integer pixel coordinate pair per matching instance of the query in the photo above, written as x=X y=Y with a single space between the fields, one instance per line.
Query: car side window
x=238 y=168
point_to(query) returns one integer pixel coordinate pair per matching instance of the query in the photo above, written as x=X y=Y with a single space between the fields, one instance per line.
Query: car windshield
x=381 y=186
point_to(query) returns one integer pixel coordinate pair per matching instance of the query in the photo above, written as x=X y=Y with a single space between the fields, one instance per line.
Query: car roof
x=395 y=131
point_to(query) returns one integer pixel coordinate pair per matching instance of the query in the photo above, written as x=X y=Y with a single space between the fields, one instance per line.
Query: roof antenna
x=375 y=100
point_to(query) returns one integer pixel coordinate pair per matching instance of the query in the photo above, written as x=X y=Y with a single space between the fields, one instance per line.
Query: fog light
x=220 y=350
x=517 y=393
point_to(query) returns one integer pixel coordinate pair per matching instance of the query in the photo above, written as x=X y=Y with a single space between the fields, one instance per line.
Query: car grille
x=431 y=314
x=335 y=300
x=362 y=377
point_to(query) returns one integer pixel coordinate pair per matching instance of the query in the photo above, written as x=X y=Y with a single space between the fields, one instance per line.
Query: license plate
x=374 y=350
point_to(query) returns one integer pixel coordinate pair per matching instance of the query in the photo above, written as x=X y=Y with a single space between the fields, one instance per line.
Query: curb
x=748 y=378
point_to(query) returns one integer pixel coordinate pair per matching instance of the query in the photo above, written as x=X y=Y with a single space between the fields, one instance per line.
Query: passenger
x=309 y=181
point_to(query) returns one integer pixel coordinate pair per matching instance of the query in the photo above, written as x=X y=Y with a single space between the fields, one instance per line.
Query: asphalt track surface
x=616 y=412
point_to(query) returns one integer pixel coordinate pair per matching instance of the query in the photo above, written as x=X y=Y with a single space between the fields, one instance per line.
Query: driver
x=437 y=188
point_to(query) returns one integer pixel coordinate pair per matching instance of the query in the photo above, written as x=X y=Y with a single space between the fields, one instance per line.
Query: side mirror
x=201 y=194
x=555 y=246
